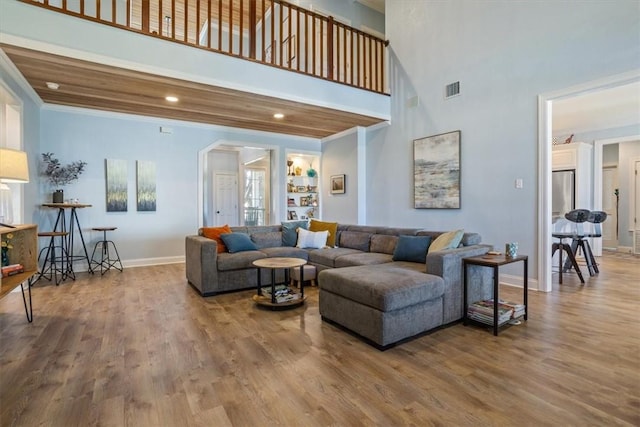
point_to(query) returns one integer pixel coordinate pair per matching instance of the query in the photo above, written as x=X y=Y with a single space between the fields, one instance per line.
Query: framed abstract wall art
x=117 y=195
x=436 y=171
x=146 y=186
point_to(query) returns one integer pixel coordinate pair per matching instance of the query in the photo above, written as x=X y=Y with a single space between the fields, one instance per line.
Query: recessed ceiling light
x=171 y=98
x=53 y=86
x=278 y=116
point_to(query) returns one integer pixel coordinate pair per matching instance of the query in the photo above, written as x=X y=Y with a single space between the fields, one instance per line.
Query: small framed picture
x=304 y=201
x=337 y=184
x=293 y=215
x=301 y=188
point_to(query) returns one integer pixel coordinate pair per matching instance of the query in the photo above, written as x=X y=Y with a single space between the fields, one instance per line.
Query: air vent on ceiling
x=452 y=89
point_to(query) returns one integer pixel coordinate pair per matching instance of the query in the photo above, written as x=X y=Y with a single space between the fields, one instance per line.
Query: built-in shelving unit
x=302 y=187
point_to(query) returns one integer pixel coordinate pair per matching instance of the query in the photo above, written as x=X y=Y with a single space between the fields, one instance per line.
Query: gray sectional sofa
x=361 y=287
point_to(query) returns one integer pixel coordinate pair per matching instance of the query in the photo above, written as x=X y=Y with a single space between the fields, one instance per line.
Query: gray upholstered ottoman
x=382 y=303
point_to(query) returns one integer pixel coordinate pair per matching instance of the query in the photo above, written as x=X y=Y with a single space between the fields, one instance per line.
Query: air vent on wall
x=452 y=89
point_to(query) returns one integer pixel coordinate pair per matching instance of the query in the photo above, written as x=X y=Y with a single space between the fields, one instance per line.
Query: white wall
x=142 y=237
x=628 y=151
x=504 y=54
x=340 y=156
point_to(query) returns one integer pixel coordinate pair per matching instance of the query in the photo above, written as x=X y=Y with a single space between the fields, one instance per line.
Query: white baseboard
x=144 y=262
x=81 y=267
x=516 y=281
x=625 y=249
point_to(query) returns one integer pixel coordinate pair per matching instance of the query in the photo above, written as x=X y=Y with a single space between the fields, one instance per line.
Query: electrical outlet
x=519 y=183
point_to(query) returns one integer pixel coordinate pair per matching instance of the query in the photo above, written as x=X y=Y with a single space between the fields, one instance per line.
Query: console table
x=494 y=262
x=61 y=225
x=25 y=247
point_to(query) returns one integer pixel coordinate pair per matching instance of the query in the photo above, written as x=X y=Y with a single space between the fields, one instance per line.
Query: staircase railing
x=271 y=32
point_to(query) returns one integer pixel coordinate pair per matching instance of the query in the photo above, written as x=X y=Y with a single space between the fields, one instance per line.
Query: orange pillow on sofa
x=331 y=227
x=214 y=233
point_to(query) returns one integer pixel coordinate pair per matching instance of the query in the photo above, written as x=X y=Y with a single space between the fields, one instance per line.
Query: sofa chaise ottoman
x=384 y=304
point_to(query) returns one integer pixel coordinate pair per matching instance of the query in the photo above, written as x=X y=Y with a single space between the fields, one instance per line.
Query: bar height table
x=61 y=225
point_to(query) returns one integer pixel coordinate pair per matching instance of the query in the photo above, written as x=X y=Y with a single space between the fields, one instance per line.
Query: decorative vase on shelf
x=58 y=196
x=298 y=171
x=5 y=257
x=311 y=173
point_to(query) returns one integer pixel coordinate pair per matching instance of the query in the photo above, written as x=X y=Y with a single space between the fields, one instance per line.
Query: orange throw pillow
x=214 y=233
x=331 y=227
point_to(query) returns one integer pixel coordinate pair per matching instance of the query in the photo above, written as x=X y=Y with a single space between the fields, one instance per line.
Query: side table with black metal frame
x=494 y=262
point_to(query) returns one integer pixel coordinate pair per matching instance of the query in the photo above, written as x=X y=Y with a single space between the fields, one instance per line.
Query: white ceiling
x=604 y=109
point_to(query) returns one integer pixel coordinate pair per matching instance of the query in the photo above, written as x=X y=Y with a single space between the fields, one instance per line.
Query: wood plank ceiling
x=103 y=87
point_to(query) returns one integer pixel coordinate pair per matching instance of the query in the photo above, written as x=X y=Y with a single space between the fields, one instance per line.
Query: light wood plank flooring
x=141 y=348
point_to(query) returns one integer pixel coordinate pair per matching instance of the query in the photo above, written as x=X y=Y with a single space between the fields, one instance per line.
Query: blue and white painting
x=436 y=169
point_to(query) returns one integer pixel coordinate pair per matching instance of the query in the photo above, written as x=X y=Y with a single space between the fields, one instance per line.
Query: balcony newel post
x=146 y=11
x=252 y=29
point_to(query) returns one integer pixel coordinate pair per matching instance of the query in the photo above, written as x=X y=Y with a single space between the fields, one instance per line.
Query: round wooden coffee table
x=280 y=296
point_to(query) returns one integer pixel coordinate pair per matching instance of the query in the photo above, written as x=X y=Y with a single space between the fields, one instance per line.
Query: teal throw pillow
x=290 y=233
x=238 y=242
x=412 y=248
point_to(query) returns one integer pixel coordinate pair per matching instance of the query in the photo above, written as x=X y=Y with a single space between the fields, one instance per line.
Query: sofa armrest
x=201 y=263
x=448 y=265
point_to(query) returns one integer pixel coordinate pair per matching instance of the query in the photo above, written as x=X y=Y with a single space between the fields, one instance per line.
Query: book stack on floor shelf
x=482 y=311
x=10 y=270
x=283 y=293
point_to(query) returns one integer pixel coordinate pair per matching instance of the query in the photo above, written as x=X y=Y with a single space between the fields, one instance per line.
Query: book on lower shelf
x=283 y=293
x=482 y=311
x=10 y=270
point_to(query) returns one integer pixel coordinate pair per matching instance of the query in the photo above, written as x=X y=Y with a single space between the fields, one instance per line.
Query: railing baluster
x=262 y=16
x=208 y=20
x=297 y=57
x=231 y=26
x=272 y=42
x=313 y=43
x=113 y=11
x=98 y=7
x=82 y=7
x=219 y=24
x=241 y=29
x=173 y=19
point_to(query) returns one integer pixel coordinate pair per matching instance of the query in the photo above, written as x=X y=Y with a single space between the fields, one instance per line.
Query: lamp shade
x=14 y=166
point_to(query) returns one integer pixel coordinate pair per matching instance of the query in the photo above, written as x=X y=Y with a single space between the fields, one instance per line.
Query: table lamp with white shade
x=14 y=167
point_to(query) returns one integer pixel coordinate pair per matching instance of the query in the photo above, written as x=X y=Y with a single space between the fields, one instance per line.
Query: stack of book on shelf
x=482 y=311
x=10 y=270
x=283 y=293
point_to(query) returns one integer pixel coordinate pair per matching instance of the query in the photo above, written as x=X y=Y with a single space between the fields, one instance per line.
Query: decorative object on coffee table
x=436 y=171
x=59 y=175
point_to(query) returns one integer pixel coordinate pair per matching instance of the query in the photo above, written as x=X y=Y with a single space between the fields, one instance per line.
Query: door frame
x=598 y=145
x=545 y=129
x=203 y=169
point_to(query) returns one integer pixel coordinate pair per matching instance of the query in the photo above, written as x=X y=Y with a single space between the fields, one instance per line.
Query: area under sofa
x=211 y=273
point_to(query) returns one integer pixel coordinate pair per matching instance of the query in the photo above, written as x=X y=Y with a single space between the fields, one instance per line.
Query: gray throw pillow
x=289 y=231
x=412 y=248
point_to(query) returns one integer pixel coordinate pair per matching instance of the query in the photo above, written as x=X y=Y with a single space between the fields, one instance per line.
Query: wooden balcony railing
x=272 y=32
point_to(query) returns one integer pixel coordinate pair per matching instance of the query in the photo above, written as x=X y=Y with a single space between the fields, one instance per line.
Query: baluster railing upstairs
x=272 y=32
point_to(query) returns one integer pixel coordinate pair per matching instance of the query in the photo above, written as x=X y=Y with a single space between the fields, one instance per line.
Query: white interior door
x=225 y=203
x=610 y=225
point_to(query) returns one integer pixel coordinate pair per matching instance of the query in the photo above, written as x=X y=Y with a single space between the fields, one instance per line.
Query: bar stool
x=579 y=217
x=50 y=265
x=106 y=262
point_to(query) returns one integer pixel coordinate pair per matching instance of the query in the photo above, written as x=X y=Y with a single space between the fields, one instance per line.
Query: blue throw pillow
x=290 y=233
x=238 y=242
x=412 y=248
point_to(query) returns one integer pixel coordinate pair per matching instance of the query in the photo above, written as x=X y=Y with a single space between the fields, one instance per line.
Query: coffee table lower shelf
x=265 y=301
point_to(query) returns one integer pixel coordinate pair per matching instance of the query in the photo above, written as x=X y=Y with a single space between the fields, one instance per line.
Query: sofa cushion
x=287 y=252
x=290 y=231
x=412 y=248
x=239 y=260
x=383 y=287
x=269 y=239
x=355 y=240
x=331 y=227
x=383 y=244
x=449 y=240
x=238 y=242
x=363 y=258
x=214 y=233
x=327 y=256
x=311 y=239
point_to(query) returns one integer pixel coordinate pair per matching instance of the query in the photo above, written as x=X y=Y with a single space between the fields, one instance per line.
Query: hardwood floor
x=141 y=348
